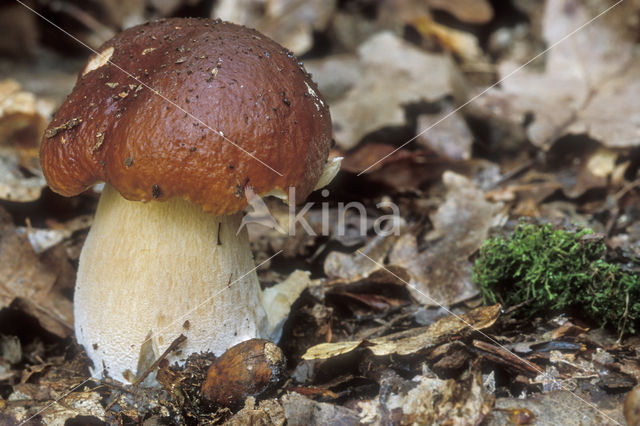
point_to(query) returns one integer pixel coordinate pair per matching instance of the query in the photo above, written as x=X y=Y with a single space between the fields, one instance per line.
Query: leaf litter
x=555 y=142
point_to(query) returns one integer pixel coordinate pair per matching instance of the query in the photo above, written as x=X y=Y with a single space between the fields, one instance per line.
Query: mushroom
x=179 y=117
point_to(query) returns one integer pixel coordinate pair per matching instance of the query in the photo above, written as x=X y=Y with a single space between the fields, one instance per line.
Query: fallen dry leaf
x=302 y=411
x=42 y=239
x=28 y=282
x=469 y=11
x=393 y=70
x=441 y=274
x=465 y=45
x=289 y=22
x=279 y=298
x=400 y=170
x=123 y=15
x=577 y=165
x=83 y=403
x=427 y=399
x=366 y=155
x=334 y=75
x=293 y=22
x=560 y=407
x=22 y=116
x=413 y=340
x=267 y=412
x=22 y=121
x=590 y=83
x=15 y=185
x=372 y=302
x=10 y=354
x=355 y=266
x=448 y=137
x=20 y=31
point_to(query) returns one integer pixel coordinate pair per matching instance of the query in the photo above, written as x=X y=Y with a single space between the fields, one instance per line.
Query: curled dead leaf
x=441 y=274
x=393 y=70
x=413 y=340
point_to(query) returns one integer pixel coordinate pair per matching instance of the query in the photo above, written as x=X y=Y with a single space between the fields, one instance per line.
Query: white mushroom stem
x=151 y=271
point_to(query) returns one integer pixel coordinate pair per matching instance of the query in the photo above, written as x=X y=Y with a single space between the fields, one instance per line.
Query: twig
x=172 y=347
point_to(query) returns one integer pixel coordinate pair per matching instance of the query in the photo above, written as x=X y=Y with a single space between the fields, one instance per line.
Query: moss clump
x=556 y=269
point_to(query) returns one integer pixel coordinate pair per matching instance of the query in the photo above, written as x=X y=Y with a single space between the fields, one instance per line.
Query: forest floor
x=457 y=121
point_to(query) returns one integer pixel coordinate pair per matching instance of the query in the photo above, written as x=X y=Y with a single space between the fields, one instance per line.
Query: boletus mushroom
x=179 y=117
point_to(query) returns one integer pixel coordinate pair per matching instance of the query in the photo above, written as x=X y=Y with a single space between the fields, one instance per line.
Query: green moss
x=555 y=269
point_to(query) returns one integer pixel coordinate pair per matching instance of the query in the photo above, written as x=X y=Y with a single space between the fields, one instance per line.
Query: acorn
x=632 y=407
x=250 y=368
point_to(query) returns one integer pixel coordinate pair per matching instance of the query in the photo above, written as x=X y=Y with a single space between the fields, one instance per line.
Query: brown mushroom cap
x=152 y=146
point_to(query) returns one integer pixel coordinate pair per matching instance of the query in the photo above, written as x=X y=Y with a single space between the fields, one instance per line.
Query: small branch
x=172 y=347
